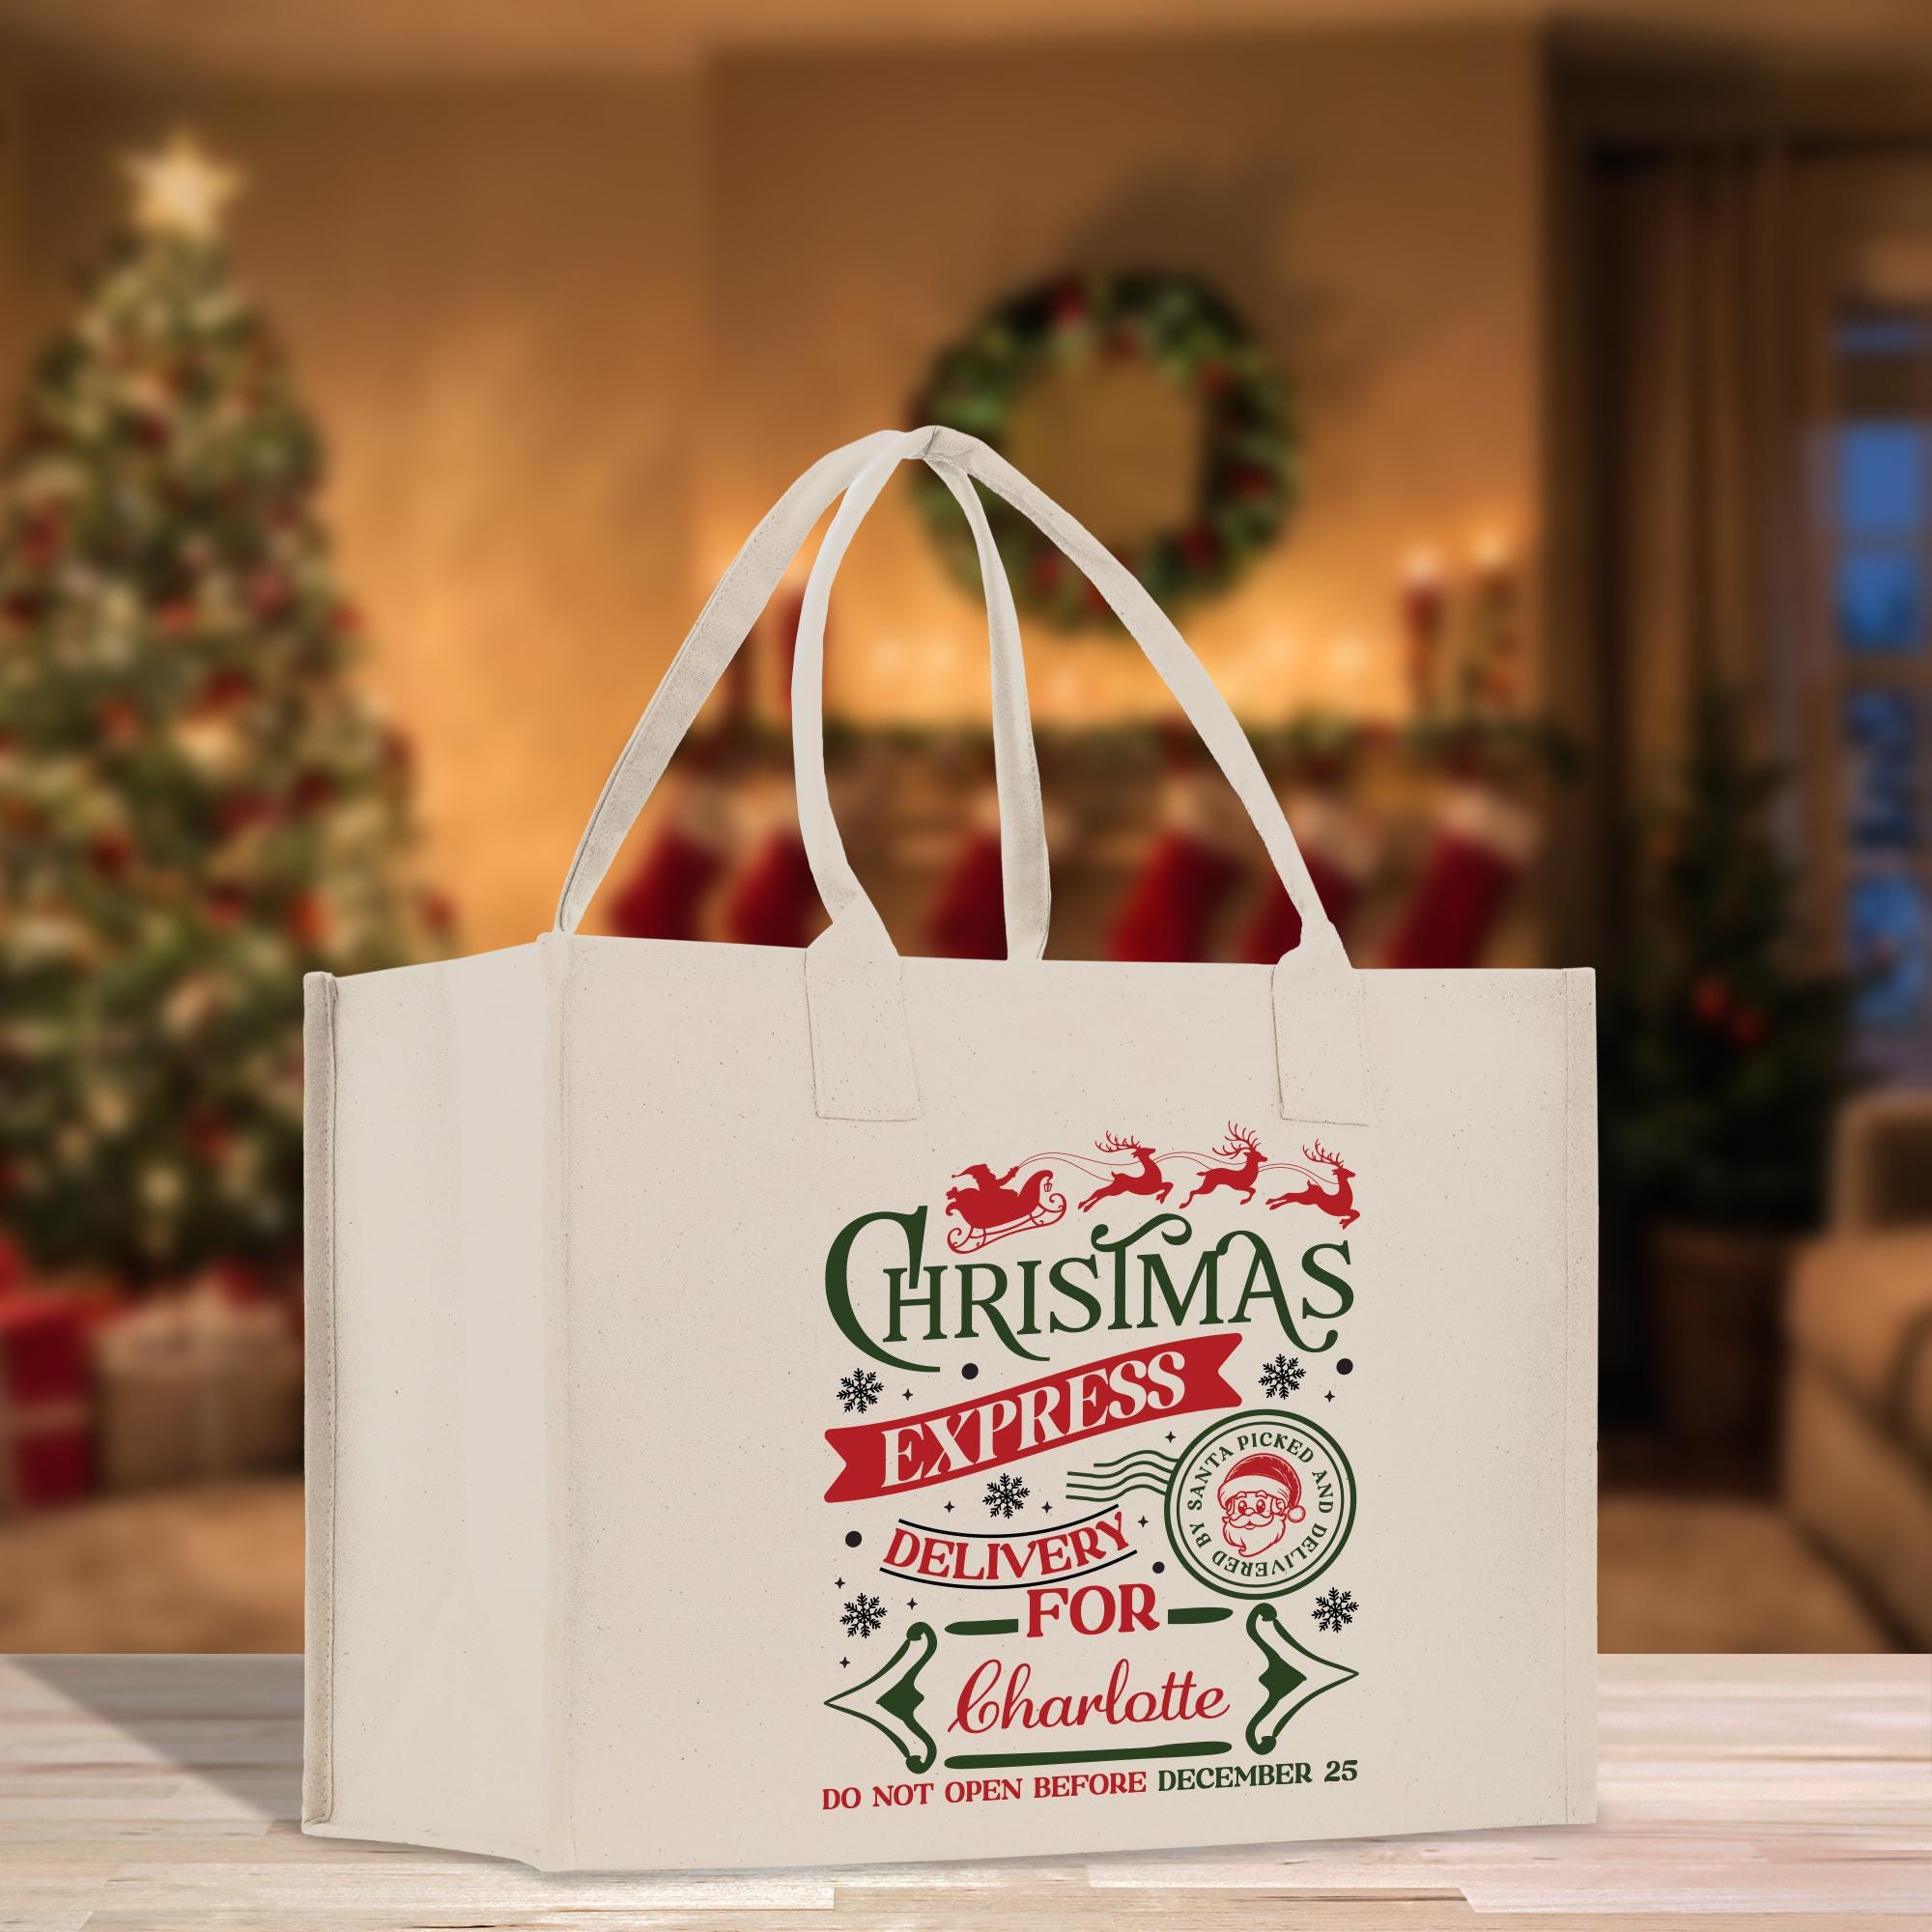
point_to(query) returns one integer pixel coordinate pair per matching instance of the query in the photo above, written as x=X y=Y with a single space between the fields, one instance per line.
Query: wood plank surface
x=148 y=1794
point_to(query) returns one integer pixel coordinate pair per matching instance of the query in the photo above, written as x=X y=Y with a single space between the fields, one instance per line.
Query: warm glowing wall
x=569 y=340
x=1370 y=200
x=490 y=295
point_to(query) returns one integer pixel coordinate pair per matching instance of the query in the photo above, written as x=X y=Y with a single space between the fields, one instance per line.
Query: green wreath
x=1250 y=458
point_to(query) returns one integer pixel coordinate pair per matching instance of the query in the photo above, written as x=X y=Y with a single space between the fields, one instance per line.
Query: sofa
x=1857 y=1399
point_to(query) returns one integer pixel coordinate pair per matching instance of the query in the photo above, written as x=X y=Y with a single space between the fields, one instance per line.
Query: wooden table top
x=152 y=1792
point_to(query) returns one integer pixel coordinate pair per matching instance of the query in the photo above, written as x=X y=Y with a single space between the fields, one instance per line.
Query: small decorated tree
x=1724 y=1057
x=195 y=808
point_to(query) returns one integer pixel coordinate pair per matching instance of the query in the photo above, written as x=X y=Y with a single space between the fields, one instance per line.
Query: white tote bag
x=779 y=1407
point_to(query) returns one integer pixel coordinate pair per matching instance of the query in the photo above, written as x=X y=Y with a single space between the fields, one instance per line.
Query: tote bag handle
x=862 y=1058
x=721 y=629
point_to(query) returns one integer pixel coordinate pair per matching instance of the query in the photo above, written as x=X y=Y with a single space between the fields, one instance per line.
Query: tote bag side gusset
x=1579 y=1424
x=426 y=1346
x=318 y=1395
x=557 y=1838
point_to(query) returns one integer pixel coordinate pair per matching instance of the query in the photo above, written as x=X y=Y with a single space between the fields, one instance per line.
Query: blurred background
x=1527 y=412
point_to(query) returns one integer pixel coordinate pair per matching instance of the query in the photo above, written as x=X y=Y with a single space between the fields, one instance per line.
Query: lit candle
x=1423 y=609
x=1496 y=672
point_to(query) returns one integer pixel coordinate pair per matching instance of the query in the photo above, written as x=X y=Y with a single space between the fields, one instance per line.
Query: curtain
x=1714 y=305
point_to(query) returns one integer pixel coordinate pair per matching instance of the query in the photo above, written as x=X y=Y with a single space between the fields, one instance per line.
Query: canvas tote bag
x=778 y=1408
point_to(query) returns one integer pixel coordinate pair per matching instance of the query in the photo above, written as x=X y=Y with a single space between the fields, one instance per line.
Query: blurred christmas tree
x=1724 y=1057
x=194 y=806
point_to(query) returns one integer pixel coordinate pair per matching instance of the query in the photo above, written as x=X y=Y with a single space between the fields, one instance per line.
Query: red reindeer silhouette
x=1338 y=1200
x=1242 y=1149
x=1147 y=1179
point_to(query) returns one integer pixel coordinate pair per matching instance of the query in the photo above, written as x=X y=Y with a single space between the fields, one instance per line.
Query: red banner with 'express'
x=881 y=1459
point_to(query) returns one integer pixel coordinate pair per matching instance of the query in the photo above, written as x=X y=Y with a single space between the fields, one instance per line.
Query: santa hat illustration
x=1271 y=1474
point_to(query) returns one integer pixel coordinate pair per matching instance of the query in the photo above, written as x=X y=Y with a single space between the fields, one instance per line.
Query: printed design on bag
x=890 y=1698
x=863 y=1616
x=859 y=1390
x=886 y=1298
x=966 y=1559
x=1282 y=1377
x=996 y=1697
x=1260 y=1498
x=1336 y=1197
x=1238 y=1147
x=1334 y=1609
x=1261 y=1503
x=886 y=1456
x=1146 y=1179
x=996 y=1206
x=1088 y=1639
x=1006 y=1497
x=993 y=1206
x=1258 y=1504
x=1291 y=1676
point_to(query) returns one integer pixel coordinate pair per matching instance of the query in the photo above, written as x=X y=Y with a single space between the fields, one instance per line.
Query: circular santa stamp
x=1261 y=1503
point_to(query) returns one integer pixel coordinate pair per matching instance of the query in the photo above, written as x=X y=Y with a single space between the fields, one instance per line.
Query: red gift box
x=45 y=1408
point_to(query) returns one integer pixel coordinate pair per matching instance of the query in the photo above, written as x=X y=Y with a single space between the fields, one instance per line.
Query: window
x=1879 y=662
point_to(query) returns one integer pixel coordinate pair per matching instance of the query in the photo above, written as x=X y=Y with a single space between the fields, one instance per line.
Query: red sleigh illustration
x=992 y=1208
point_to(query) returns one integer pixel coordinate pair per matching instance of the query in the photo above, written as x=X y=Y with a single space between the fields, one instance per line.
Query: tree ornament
x=270 y=593
x=118 y=724
x=39 y=539
x=224 y=688
x=307 y=921
x=111 y=853
x=238 y=810
x=1710 y=1000
x=314 y=788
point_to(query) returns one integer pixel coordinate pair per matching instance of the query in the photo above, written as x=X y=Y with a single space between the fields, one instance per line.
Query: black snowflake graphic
x=864 y=1617
x=859 y=1390
x=1336 y=1609
x=1005 y=1495
x=1282 y=1377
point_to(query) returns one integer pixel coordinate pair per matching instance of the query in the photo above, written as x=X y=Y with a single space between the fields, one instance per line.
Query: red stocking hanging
x=664 y=897
x=968 y=920
x=1341 y=848
x=1171 y=908
x=773 y=901
x=1482 y=844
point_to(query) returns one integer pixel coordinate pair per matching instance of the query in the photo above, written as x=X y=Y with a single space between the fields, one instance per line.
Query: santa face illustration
x=1260 y=1497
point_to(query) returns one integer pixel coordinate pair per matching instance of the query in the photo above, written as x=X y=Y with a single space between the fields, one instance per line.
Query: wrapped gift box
x=196 y=1385
x=46 y=1453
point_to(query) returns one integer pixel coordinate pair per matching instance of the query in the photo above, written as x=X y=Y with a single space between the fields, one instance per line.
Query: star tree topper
x=182 y=189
